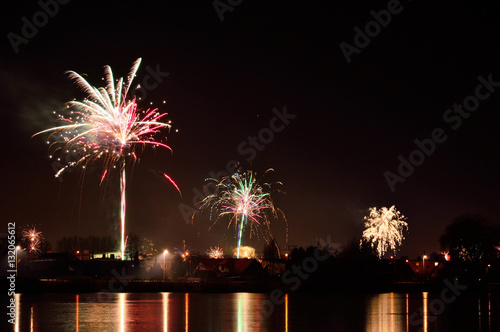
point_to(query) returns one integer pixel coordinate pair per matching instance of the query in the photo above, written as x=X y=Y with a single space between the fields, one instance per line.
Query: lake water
x=103 y=312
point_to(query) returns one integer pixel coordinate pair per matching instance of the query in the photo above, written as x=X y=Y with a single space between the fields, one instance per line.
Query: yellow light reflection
x=479 y=311
x=77 y=304
x=384 y=312
x=240 y=312
x=489 y=312
x=392 y=311
x=121 y=300
x=31 y=319
x=407 y=314
x=424 y=295
x=165 y=311
x=243 y=305
x=286 y=312
x=18 y=311
x=186 y=310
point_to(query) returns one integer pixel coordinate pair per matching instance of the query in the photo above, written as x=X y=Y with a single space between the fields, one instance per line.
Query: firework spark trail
x=384 y=229
x=245 y=202
x=106 y=126
x=240 y=233
x=123 y=185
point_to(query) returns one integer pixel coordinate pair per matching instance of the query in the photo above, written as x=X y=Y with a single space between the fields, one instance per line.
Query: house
x=227 y=267
x=52 y=265
x=427 y=269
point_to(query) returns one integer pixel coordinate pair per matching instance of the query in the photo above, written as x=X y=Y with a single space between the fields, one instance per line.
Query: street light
x=17 y=249
x=423 y=264
x=165 y=252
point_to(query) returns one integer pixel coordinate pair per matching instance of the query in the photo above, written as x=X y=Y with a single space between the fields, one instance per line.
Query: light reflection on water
x=245 y=312
x=386 y=312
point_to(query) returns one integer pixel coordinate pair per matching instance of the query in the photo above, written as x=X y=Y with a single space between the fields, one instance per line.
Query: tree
x=134 y=244
x=271 y=250
x=470 y=238
x=148 y=248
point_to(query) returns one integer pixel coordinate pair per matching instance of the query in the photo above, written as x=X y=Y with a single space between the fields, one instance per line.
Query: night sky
x=347 y=122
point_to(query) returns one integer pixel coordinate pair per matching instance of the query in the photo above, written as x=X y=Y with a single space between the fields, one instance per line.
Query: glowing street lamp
x=423 y=264
x=18 y=248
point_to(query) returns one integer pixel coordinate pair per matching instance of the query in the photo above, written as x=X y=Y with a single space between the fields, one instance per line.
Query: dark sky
x=352 y=120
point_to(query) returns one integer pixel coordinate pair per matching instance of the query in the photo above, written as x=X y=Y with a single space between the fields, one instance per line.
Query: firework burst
x=106 y=126
x=245 y=252
x=246 y=204
x=215 y=252
x=384 y=229
x=32 y=239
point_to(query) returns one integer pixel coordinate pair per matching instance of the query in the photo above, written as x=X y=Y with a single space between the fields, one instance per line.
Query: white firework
x=384 y=229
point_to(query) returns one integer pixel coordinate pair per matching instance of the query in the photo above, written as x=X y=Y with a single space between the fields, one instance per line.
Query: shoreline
x=124 y=285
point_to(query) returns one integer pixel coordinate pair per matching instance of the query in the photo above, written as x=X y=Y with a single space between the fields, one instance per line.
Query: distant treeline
x=92 y=243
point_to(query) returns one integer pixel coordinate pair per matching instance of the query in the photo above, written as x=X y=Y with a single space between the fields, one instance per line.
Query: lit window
x=418 y=263
x=436 y=264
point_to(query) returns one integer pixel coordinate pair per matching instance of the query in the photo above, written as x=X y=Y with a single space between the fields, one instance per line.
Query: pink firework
x=32 y=237
x=106 y=126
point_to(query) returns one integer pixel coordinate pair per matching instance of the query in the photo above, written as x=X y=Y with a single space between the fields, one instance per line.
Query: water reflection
x=385 y=312
x=479 y=310
x=424 y=310
x=407 y=313
x=186 y=312
x=489 y=311
x=246 y=312
x=77 y=310
x=18 y=311
x=240 y=313
x=31 y=319
x=121 y=299
x=286 y=312
x=165 y=311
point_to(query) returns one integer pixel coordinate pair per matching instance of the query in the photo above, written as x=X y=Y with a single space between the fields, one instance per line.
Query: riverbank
x=228 y=285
